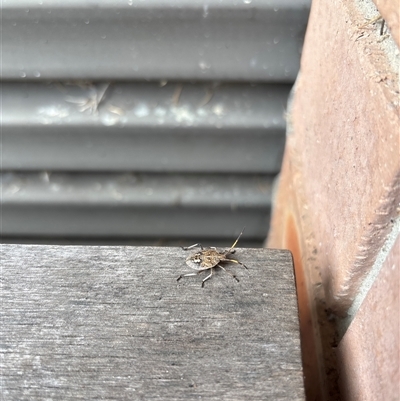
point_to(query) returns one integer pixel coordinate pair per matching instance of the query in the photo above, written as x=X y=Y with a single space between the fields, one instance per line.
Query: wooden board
x=112 y=323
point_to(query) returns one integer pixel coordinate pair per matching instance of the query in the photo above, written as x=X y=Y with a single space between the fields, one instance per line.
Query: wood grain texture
x=112 y=323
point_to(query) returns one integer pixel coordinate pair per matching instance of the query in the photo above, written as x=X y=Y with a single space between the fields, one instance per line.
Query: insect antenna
x=237 y=240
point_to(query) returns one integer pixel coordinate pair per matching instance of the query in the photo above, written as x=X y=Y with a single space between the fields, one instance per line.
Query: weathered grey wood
x=112 y=323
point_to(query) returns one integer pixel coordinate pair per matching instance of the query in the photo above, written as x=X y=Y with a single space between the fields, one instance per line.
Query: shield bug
x=209 y=258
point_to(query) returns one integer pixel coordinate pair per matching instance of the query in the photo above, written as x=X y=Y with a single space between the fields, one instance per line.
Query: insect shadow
x=209 y=258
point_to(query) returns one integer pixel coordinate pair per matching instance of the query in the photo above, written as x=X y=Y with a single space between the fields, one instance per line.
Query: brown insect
x=208 y=258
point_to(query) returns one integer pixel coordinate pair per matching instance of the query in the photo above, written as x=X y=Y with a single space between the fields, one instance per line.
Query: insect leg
x=188 y=275
x=234 y=261
x=208 y=277
x=187 y=248
x=223 y=268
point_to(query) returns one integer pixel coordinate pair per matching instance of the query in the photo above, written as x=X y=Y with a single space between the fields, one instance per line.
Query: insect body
x=208 y=258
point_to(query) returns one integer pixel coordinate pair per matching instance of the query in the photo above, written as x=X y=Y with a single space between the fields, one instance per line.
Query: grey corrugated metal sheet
x=249 y=40
x=91 y=150
x=134 y=205
x=144 y=127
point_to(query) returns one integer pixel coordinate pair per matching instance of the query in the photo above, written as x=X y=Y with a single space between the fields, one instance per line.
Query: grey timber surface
x=251 y=40
x=112 y=323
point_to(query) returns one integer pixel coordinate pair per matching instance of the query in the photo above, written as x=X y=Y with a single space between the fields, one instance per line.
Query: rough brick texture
x=339 y=190
x=345 y=145
x=390 y=11
x=371 y=344
x=289 y=232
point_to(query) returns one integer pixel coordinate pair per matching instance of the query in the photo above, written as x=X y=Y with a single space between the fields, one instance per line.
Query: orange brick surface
x=345 y=145
x=339 y=193
x=367 y=353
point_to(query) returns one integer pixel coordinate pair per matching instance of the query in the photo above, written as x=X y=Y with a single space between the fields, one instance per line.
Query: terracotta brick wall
x=337 y=203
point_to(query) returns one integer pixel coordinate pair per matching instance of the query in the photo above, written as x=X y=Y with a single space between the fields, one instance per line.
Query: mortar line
x=369 y=280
